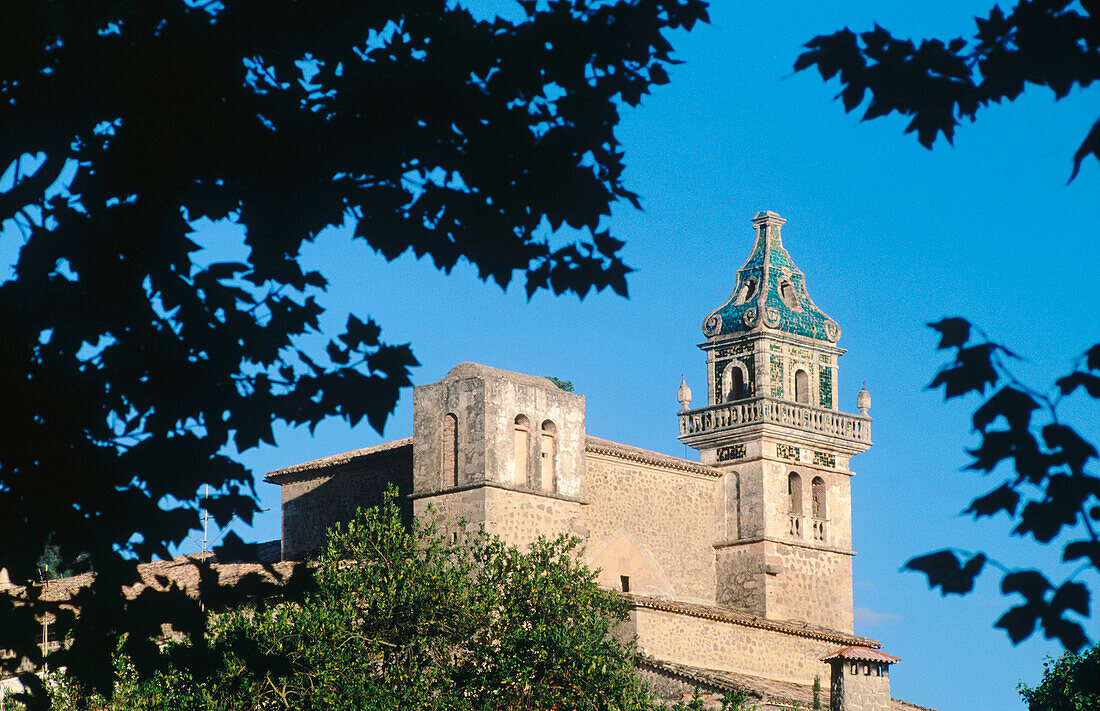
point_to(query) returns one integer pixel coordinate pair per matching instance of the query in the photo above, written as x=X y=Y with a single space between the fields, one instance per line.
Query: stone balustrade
x=760 y=410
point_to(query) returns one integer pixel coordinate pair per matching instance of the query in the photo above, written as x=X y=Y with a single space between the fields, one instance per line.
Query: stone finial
x=767 y=217
x=683 y=394
x=863 y=400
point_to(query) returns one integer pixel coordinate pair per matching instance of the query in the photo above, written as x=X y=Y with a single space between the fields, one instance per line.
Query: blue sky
x=889 y=235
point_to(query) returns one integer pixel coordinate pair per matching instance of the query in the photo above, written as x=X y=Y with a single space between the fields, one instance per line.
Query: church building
x=737 y=567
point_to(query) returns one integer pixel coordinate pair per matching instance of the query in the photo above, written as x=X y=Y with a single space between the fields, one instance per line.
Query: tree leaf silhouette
x=945 y=571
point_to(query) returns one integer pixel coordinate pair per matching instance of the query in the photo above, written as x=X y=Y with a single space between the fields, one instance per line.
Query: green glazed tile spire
x=770 y=294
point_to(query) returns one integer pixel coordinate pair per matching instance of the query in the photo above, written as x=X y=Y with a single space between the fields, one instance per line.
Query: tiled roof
x=182 y=570
x=757 y=303
x=336 y=460
x=736 y=617
x=863 y=654
x=597 y=445
x=761 y=690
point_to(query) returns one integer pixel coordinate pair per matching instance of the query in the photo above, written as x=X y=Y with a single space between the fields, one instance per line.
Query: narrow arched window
x=817 y=491
x=802 y=386
x=737 y=384
x=546 y=455
x=794 y=493
x=522 y=447
x=450 y=450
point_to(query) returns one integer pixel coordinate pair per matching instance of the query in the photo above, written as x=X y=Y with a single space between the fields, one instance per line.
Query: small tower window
x=794 y=494
x=522 y=445
x=817 y=489
x=624 y=582
x=732 y=385
x=737 y=384
x=788 y=295
x=747 y=291
x=802 y=386
x=450 y=450
x=546 y=455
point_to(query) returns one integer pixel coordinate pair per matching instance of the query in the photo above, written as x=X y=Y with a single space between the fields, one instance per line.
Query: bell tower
x=772 y=425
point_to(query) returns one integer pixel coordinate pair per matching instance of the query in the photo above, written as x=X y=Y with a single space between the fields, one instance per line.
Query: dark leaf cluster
x=138 y=359
x=937 y=83
x=1048 y=489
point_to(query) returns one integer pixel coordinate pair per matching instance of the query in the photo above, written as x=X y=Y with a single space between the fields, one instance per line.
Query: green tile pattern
x=731 y=453
x=776 y=372
x=825 y=460
x=770 y=263
x=787 y=451
x=825 y=381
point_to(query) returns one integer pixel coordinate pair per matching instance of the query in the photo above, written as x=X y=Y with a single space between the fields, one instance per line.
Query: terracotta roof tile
x=335 y=460
x=736 y=617
x=863 y=654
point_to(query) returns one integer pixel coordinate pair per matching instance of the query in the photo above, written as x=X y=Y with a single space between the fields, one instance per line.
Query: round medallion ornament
x=832 y=331
x=750 y=317
x=712 y=325
x=771 y=317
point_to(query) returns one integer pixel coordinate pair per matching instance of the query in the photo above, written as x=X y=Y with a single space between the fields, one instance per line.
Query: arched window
x=736 y=384
x=522 y=447
x=450 y=451
x=817 y=491
x=732 y=384
x=788 y=295
x=794 y=494
x=546 y=455
x=802 y=386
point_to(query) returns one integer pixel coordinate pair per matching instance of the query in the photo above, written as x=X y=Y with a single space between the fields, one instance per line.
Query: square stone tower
x=859 y=679
x=771 y=424
x=499 y=449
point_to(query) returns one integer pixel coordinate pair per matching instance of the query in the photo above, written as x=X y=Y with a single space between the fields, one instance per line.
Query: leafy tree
x=1049 y=488
x=1049 y=43
x=1070 y=683
x=138 y=358
x=402 y=619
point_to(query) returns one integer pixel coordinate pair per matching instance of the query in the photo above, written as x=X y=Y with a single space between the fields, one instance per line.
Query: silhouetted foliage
x=1041 y=42
x=137 y=361
x=1048 y=486
x=1070 y=683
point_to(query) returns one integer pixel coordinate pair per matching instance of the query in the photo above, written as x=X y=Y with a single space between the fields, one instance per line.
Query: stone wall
x=653 y=524
x=314 y=500
x=811 y=585
x=517 y=515
x=485 y=404
x=860 y=686
x=711 y=644
x=740 y=578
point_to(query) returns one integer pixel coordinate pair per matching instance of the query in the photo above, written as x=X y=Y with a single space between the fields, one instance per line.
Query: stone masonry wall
x=740 y=580
x=516 y=515
x=311 y=503
x=811 y=585
x=708 y=644
x=653 y=524
x=485 y=403
x=861 y=686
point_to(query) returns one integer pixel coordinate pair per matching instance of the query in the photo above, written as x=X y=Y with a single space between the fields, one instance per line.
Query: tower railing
x=760 y=410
